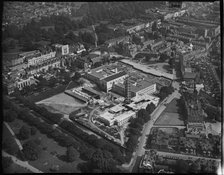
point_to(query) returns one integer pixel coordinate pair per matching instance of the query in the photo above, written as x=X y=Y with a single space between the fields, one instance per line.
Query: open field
x=61 y=103
x=160 y=66
x=51 y=153
x=170 y=116
x=169 y=119
x=46 y=94
x=172 y=106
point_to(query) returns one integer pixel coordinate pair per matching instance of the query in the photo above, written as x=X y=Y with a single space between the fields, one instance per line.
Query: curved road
x=147 y=128
x=21 y=163
x=14 y=136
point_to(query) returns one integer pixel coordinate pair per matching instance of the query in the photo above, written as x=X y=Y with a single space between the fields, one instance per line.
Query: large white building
x=106 y=76
x=116 y=115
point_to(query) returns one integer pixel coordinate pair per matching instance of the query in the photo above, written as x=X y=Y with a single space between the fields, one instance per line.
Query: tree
x=150 y=108
x=72 y=154
x=182 y=166
x=6 y=162
x=30 y=150
x=154 y=26
x=97 y=64
x=33 y=130
x=9 y=115
x=9 y=146
x=76 y=77
x=171 y=62
x=24 y=132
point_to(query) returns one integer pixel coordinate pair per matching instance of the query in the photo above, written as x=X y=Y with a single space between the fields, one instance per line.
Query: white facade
x=40 y=59
x=27 y=82
x=110 y=119
x=148 y=90
x=109 y=84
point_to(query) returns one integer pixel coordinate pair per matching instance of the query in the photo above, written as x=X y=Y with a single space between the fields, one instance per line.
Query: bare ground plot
x=61 y=103
x=169 y=119
x=163 y=67
x=47 y=159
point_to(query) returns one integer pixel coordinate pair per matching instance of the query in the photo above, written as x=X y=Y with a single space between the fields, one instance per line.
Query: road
x=23 y=164
x=13 y=134
x=147 y=128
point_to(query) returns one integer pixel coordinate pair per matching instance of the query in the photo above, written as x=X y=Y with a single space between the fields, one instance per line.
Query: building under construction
x=127 y=90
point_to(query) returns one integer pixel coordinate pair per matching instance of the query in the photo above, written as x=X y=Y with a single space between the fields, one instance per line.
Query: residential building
x=115 y=41
x=61 y=50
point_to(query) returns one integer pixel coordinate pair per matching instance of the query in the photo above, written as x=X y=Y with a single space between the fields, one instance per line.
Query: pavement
x=13 y=134
x=23 y=164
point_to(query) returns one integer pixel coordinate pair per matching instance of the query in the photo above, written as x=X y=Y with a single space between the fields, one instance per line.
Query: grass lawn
x=172 y=106
x=46 y=94
x=14 y=168
x=170 y=115
x=61 y=103
x=47 y=159
x=168 y=119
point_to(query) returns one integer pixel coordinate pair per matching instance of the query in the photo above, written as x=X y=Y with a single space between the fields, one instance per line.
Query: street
x=23 y=164
x=147 y=128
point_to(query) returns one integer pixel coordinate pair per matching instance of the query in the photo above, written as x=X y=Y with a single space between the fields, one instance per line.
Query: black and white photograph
x=112 y=87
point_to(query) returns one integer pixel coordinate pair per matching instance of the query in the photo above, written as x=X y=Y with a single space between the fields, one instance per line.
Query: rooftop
x=189 y=75
x=114 y=76
x=103 y=71
x=117 y=108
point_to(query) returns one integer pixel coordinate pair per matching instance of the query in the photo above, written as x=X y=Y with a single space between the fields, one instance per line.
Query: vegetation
x=31 y=150
x=8 y=146
x=136 y=125
x=9 y=115
x=24 y=132
x=91 y=12
x=72 y=154
x=6 y=162
x=165 y=91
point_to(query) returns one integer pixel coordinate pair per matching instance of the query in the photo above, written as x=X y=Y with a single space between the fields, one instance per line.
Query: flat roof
x=103 y=71
x=125 y=115
x=91 y=90
x=189 y=75
x=114 y=76
x=117 y=108
x=108 y=116
x=141 y=85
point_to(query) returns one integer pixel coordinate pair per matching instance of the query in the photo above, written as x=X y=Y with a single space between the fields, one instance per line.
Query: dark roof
x=112 y=77
x=75 y=95
x=189 y=75
x=91 y=90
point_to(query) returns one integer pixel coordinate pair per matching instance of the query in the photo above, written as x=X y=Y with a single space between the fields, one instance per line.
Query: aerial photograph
x=112 y=87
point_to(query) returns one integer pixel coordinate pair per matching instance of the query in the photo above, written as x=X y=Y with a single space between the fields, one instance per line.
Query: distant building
x=61 y=50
